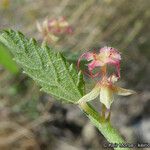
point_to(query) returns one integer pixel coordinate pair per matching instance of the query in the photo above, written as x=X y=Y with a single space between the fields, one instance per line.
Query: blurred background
x=33 y=120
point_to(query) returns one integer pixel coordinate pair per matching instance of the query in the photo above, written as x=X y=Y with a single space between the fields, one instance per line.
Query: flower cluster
x=51 y=29
x=107 y=55
x=106 y=87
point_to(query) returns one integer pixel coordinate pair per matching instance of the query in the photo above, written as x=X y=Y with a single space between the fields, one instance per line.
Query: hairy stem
x=104 y=127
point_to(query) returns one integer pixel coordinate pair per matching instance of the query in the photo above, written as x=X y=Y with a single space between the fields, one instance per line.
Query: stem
x=104 y=70
x=105 y=128
x=103 y=111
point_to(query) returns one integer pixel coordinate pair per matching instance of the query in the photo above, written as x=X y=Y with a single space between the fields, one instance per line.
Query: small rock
x=144 y=128
x=88 y=133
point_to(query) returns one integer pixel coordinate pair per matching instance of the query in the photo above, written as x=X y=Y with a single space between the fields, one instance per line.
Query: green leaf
x=6 y=60
x=48 y=68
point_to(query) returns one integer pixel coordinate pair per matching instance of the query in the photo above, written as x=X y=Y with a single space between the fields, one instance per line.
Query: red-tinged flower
x=51 y=29
x=59 y=26
x=106 y=89
x=106 y=55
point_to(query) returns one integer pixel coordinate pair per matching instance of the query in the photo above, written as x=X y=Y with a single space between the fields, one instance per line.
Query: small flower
x=51 y=29
x=59 y=26
x=44 y=30
x=106 y=89
x=106 y=55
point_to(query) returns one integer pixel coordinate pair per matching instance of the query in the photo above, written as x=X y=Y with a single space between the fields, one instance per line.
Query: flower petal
x=105 y=49
x=63 y=24
x=109 y=55
x=93 y=64
x=123 y=92
x=106 y=96
x=45 y=25
x=69 y=30
x=88 y=56
x=39 y=27
x=52 y=23
x=90 y=96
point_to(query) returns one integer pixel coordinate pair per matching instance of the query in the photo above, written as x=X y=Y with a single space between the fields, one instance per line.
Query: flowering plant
x=56 y=76
x=51 y=29
x=105 y=87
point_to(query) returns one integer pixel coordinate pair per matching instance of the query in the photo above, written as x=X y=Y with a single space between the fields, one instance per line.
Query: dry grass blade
x=22 y=131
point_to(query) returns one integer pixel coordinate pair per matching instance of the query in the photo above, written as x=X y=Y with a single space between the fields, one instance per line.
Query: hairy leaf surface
x=48 y=68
